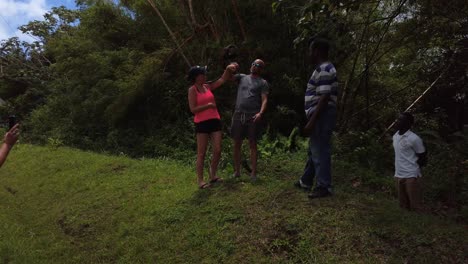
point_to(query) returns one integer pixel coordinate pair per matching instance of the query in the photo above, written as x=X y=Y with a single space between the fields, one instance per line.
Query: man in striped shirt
x=320 y=108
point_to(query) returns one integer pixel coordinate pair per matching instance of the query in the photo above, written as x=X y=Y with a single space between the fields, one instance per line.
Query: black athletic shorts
x=208 y=126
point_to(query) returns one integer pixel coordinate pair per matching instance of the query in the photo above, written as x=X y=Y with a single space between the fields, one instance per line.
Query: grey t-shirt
x=249 y=93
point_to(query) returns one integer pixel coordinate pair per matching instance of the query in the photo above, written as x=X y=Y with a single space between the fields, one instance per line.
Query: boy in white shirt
x=410 y=156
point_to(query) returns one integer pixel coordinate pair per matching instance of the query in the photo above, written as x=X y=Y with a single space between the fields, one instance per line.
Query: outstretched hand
x=12 y=136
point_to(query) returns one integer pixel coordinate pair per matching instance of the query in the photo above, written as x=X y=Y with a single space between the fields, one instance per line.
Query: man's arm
x=418 y=146
x=324 y=90
x=422 y=159
x=8 y=142
x=259 y=115
x=420 y=151
x=323 y=102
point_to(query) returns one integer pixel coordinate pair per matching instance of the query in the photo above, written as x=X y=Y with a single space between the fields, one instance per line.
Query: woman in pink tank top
x=207 y=120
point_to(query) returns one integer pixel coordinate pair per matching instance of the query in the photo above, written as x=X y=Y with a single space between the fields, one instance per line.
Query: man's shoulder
x=324 y=69
x=413 y=136
x=256 y=79
x=327 y=67
x=239 y=76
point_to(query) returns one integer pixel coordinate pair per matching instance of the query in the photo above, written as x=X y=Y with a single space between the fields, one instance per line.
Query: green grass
x=68 y=206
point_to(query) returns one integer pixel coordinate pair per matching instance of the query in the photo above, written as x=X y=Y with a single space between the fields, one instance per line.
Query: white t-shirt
x=406 y=147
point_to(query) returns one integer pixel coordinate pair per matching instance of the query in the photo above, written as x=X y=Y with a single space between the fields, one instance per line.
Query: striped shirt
x=323 y=81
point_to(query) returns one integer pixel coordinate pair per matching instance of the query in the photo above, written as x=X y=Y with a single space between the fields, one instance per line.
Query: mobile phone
x=11 y=121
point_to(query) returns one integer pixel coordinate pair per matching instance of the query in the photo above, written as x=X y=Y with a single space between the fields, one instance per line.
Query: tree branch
x=170 y=32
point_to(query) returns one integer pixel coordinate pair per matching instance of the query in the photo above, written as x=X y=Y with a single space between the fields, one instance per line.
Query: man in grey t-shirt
x=252 y=97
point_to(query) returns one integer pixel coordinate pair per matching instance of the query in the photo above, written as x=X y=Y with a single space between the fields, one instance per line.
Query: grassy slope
x=65 y=205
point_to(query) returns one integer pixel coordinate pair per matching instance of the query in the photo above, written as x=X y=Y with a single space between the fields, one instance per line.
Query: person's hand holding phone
x=12 y=136
x=11 y=121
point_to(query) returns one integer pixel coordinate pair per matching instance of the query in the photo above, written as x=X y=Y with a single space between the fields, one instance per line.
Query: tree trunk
x=239 y=20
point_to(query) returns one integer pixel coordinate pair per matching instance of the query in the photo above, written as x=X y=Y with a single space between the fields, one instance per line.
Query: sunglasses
x=204 y=68
x=258 y=65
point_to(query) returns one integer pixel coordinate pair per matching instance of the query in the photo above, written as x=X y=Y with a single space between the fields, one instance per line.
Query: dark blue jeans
x=319 y=153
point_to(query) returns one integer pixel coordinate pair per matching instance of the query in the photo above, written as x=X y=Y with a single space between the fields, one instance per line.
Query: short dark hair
x=320 y=44
x=409 y=116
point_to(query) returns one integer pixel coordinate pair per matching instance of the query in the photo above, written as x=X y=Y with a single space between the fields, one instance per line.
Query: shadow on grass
x=201 y=196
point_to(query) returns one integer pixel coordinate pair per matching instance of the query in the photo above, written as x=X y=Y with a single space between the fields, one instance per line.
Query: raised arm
x=228 y=75
x=215 y=85
x=192 y=98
